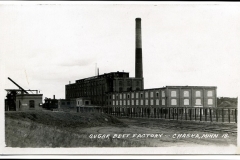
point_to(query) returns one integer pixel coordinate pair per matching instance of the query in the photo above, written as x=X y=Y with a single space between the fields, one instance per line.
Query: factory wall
x=28 y=102
x=96 y=87
x=127 y=84
x=170 y=96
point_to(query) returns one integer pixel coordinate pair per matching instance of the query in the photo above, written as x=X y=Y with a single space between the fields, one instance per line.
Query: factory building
x=118 y=90
x=169 y=96
x=28 y=102
x=95 y=88
x=22 y=100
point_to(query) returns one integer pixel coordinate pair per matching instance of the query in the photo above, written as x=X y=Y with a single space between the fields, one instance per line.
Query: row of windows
x=173 y=102
x=186 y=93
x=85 y=85
x=137 y=95
x=96 y=83
x=63 y=103
x=100 y=92
x=128 y=83
x=173 y=94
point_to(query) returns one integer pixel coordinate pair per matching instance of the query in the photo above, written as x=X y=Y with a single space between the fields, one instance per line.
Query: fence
x=208 y=114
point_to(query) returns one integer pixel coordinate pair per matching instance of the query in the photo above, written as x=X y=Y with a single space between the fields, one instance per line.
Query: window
x=163 y=102
x=31 y=104
x=120 y=103
x=210 y=93
x=124 y=96
x=128 y=102
x=137 y=83
x=116 y=102
x=141 y=95
x=156 y=94
x=146 y=102
x=120 y=89
x=210 y=101
x=113 y=96
x=163 y=93
x=141 y=102
x=129 y=83
x=128 y=96
x=132 y=95
x=198 y=94
x=173 y=93
x=151 y=94
x=124 y=102
x=151 y=102
x=186 y=93
x=157 y=101
x=113 y=102
x=120 y=83
x=146 y=94
x=120 y=96
x=132 y=102
x=186 y=102
x=173 y=102
x=198 y=102
x=136 y=95
x=136 y=102
x=116 y=96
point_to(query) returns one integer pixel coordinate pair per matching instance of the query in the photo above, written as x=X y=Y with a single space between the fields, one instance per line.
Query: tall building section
x=95 y=88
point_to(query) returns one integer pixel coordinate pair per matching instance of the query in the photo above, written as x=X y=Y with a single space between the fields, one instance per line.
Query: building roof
x=105 y=75
x=167 y=87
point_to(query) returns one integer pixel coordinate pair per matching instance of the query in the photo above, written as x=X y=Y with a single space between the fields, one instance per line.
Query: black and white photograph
x=119 y=78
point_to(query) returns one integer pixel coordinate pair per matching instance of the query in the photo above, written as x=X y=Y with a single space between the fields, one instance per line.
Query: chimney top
x=138 y=19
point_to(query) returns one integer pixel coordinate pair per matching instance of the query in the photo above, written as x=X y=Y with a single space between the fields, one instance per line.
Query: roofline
x=29 y=95
x=187 y=87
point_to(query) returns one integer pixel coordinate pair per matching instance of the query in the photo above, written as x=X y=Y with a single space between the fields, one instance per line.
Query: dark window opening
x=120 y=89
x=120 y=83
x=31 y=104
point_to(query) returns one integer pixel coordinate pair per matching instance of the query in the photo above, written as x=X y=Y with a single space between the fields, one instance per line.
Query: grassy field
x=65 y=129
x=59 y=129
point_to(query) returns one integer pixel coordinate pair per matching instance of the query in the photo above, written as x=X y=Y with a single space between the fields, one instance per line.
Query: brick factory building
x=118 y=90
x=169 y=96
x=97 y=87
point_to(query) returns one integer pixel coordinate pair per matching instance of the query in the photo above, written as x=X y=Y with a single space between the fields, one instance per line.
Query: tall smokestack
x=138 y=55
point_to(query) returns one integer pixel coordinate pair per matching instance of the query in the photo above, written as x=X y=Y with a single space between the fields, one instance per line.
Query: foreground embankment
x=59 y=129
x=92 y=129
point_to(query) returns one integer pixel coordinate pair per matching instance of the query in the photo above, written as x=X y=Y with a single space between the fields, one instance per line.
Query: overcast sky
x=44 y=47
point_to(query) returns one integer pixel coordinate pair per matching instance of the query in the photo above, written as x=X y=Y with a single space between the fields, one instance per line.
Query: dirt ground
x=165 y=133
x=49 y=129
